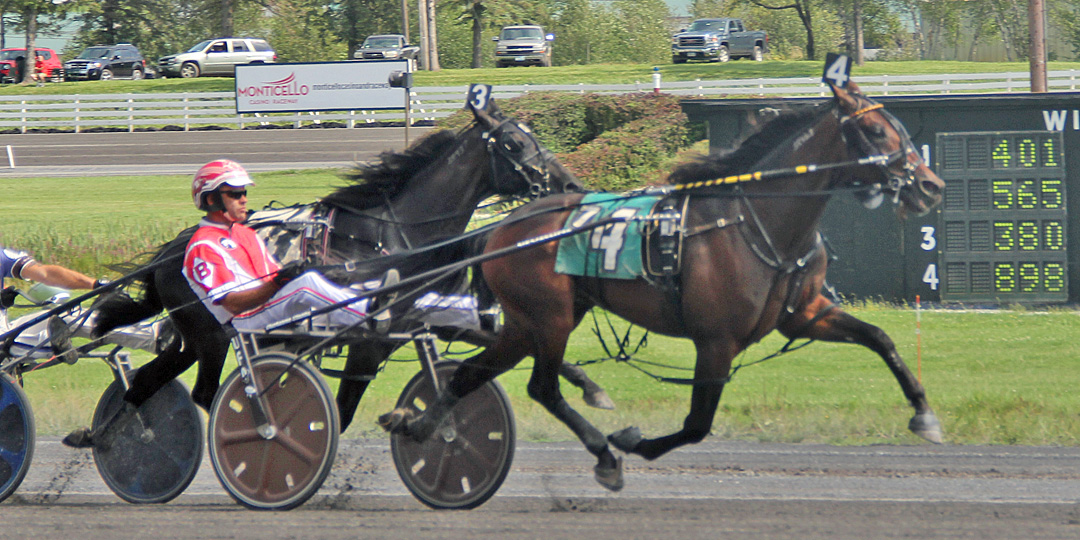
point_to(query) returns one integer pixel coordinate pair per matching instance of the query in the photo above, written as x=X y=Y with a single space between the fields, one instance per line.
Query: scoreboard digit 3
x=1002 y=232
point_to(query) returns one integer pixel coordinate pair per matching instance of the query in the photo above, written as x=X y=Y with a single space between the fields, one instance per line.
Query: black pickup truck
x=718 y=40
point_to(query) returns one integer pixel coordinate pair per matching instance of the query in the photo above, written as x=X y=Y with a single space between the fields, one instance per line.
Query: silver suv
x=523 y=46
x=217 y=57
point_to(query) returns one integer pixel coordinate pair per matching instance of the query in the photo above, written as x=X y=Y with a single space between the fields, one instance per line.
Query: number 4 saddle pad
x=610 y=251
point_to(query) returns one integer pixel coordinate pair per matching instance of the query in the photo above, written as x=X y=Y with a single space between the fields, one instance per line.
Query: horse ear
x=482 y=117
x=846 y=98
x=481 y=104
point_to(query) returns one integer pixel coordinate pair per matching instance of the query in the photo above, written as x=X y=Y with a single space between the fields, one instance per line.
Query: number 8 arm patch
x=203 y=273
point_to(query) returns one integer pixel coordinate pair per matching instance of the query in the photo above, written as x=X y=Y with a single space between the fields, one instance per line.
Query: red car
x=54 y=70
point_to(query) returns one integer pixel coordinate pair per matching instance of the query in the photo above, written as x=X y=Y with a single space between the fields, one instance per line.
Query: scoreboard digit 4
x=1003 y=221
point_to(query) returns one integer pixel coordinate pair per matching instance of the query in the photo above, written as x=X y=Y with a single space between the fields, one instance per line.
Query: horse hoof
x=395 y=421
x=598 y=399
x=626 y=440
x=80 y=438
x=610 y=478
x=926 y=425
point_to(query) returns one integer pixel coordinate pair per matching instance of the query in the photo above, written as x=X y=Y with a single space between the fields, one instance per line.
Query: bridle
x=856 y=139
x=529 y=161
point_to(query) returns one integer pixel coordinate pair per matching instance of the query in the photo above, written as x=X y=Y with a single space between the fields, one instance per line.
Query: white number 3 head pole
x=837 y=70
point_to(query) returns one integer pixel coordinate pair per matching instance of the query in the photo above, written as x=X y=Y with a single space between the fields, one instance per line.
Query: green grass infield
x=993 y=377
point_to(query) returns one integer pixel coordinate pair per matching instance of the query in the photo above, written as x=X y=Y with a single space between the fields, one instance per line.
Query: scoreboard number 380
x=1002 y=232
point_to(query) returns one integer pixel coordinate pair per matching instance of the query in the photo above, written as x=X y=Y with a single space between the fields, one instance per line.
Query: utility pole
x=433 y=40
x=859 y=42
x=425 y=47
x=405 y=20
x=1037 y=45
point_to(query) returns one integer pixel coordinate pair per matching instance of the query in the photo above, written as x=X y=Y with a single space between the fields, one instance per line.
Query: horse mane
x=747 y=153
x=371 y=182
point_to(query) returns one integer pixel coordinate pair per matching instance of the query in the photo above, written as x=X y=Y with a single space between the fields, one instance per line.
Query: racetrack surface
x=717 y=489
x=181 y=152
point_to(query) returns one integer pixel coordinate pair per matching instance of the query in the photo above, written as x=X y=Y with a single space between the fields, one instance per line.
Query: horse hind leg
x=512 y=346
x=839 y=326
x=360 y=368
x=592 y=393
x=550 y=346
x=544 y=389
x=710 y=373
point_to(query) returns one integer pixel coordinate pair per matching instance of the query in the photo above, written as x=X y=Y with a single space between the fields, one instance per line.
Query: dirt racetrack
x=716 y=489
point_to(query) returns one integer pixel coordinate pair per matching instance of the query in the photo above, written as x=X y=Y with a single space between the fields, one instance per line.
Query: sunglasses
x=235 y=194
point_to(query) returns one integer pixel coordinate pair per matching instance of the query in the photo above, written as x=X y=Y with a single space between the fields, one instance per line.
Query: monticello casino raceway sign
x=322 y=86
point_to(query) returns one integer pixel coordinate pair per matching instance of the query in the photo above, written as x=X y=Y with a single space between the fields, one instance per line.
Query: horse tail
x=119 y=308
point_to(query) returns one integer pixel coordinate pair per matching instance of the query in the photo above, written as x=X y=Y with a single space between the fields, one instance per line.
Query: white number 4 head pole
x=837 y=70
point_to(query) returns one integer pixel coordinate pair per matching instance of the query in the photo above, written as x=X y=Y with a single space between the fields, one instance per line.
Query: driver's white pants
x=141 y=336
x=310 y=291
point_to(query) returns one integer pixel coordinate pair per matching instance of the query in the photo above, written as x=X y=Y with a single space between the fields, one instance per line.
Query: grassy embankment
x=994 y=378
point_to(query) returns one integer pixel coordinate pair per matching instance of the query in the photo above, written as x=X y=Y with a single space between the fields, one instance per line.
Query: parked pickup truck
x=525 y=45
x=718 y=40
x=386 y=47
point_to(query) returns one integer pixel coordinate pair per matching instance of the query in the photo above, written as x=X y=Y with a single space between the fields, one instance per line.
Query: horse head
x=870 y=130
x=518 y=160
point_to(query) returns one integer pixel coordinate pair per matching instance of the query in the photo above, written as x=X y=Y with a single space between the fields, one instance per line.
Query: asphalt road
x=716 y=489
x=179 y=152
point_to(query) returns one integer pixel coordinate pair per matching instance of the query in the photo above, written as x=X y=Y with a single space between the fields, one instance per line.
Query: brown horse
x=752 y=262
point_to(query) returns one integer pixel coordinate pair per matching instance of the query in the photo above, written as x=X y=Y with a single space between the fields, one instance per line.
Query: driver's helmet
x=212 y=175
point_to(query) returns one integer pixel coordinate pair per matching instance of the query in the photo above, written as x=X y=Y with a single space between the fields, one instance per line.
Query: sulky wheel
x=150 y=454
x=16 y=436
x=280 y=467
x=463 y=464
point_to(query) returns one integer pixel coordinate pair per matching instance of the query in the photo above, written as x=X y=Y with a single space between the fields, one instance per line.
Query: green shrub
x=611 y=141
x=637 y=152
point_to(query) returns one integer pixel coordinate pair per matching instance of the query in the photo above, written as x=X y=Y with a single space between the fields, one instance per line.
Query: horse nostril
x=930 y=187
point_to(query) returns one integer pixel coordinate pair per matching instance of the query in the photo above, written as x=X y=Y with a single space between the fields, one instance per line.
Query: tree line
x=587 y=31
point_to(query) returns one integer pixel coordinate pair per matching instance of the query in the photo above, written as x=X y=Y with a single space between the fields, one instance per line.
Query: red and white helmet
x=212 y=175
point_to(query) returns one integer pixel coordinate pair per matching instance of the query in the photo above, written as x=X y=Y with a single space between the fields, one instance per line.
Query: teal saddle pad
x=611 y=251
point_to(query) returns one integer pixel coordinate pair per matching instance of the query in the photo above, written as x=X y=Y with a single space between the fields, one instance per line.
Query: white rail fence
x=187 y=111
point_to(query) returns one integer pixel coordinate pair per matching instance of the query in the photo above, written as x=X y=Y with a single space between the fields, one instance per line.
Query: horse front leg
x=710 y=375
x=839 y=326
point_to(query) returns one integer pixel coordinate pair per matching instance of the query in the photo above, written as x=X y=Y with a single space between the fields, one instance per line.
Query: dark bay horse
x=422 y=195
x=752 y=262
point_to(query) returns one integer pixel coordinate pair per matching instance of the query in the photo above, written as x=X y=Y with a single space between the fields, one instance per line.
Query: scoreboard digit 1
x=1002 y=227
